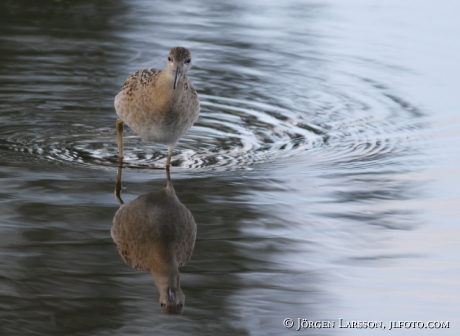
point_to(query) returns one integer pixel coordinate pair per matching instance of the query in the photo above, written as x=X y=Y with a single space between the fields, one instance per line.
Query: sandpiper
x=159 y=105
x=156 y=233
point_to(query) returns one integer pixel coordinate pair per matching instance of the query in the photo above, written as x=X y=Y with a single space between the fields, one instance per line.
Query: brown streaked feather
x=142 y=77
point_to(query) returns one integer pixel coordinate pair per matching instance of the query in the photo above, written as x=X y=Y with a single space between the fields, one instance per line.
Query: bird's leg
x=119 y=127
x=118 y=185
x=120 y=139
x=169 y=185
x=168 y=175
x=168 y=160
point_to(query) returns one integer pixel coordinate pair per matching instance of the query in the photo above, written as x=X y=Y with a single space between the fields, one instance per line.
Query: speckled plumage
x=160 y=105
x=156 y=233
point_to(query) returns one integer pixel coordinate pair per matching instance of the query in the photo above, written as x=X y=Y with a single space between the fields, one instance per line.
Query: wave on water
x=236 y=134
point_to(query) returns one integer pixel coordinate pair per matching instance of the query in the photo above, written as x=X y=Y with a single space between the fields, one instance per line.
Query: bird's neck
x=165 y=275
x=165 y=96
x=163 y=262
x=166 y=83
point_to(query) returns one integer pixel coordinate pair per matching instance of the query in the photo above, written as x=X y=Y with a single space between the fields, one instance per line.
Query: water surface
x=322 y=174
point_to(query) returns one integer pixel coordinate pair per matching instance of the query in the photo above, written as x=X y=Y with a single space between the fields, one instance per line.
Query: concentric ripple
x=229 y=134
x=235 y=134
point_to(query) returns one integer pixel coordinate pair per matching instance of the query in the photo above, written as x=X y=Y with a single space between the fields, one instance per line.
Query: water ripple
x=235 y=134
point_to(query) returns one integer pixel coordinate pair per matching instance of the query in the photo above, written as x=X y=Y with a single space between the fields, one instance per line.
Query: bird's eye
x=188 y=61
x=169 y=58
x=162 y=304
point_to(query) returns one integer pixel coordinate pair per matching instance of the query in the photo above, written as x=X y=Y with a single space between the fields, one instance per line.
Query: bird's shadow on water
x=156 y=233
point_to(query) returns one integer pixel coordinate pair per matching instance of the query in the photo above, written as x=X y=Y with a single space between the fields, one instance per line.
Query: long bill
x=176 y=78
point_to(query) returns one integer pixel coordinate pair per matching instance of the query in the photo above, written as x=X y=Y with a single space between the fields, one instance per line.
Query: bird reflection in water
x=156 y=233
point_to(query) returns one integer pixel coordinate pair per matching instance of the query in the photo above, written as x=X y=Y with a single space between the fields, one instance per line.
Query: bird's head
x=179 y=62
x=172 y=300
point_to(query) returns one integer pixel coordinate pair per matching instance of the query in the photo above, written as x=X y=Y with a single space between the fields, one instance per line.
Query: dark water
x=323 y=173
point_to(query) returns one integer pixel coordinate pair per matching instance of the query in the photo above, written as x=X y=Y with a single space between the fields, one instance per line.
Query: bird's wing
x=141 y=79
